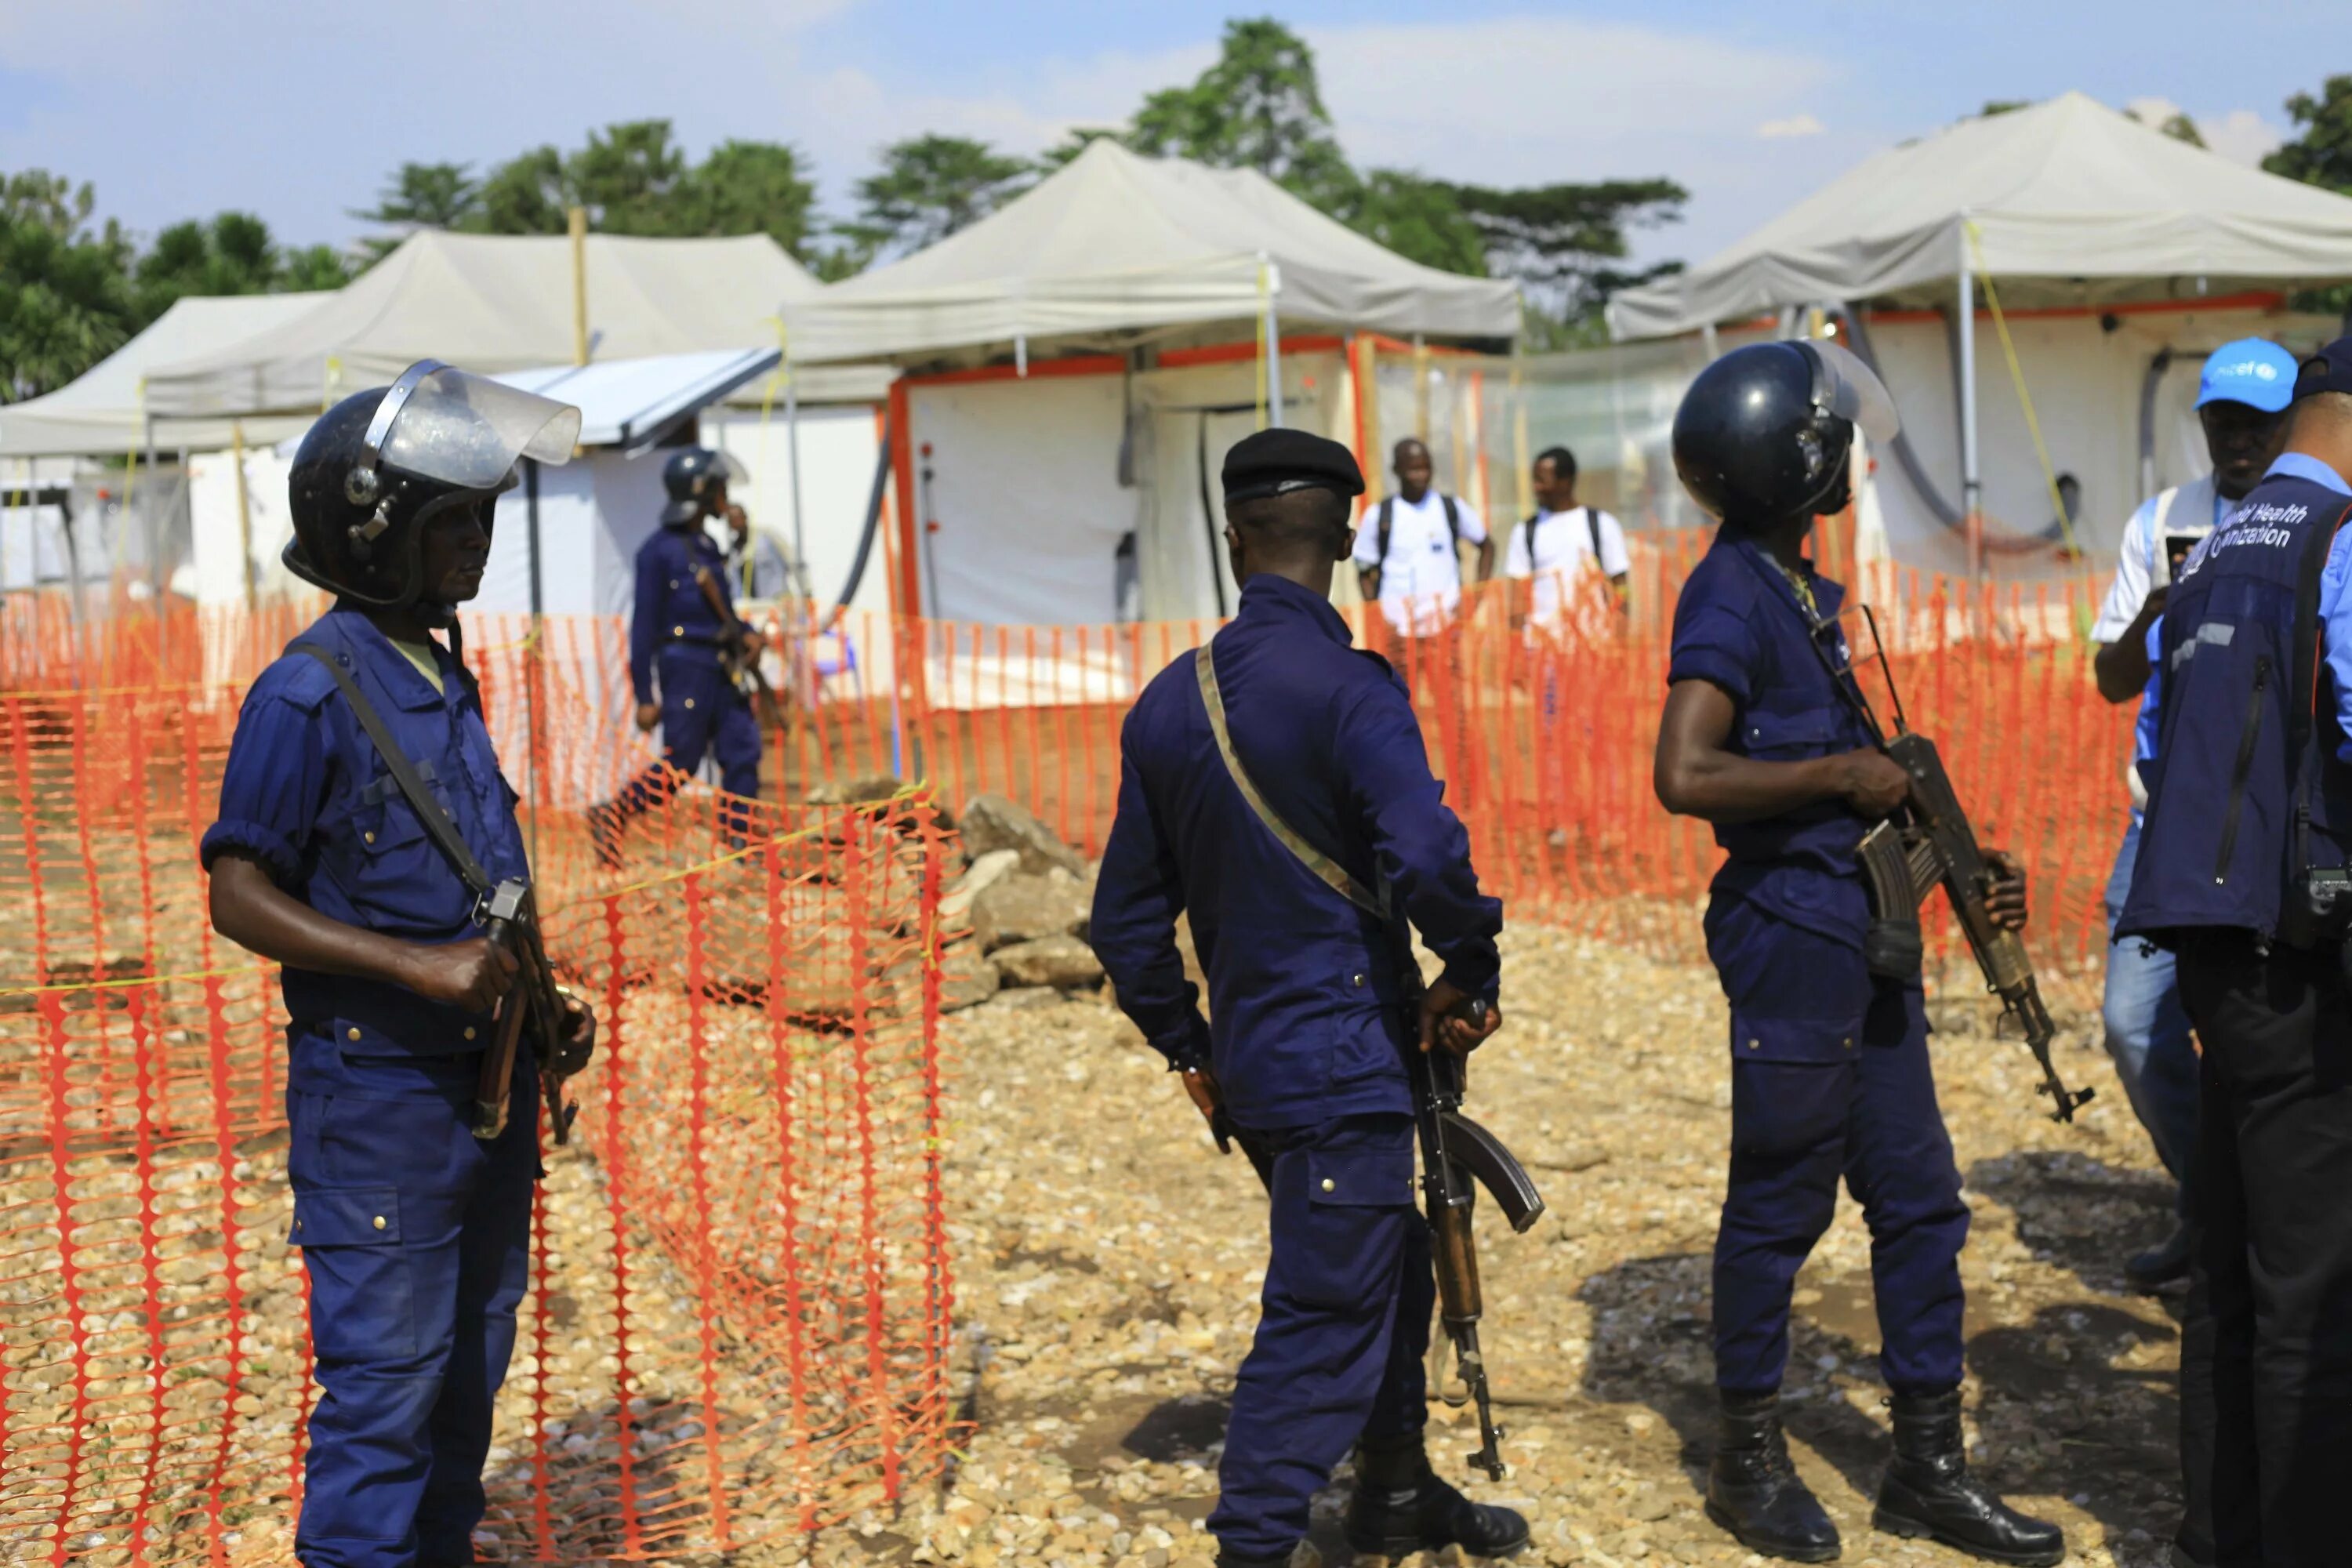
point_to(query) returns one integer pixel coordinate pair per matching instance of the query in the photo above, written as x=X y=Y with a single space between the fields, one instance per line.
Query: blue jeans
x=2148 y=1036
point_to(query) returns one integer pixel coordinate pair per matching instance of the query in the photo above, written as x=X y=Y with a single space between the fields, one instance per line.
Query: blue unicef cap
x=2252 y=371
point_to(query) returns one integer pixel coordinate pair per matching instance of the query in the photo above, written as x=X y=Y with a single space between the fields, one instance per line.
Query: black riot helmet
x=694 y=478
x=1767 y=431
x=382 y=463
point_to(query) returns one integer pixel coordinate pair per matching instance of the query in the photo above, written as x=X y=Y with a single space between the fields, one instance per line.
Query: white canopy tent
x=1115 y=246
x=1081 y=358
x=503 y=302
x=2114 y=241
x=105 y=412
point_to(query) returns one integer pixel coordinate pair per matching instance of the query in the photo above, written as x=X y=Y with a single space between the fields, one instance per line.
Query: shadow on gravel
x=2067 y=1409
x=2082 y=1215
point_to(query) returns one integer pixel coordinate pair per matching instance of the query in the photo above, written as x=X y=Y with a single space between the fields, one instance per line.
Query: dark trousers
x=1338 y=1356
x=416 y=1237
x=2266 y=1353
x=1796 y=1128
x=703 y=713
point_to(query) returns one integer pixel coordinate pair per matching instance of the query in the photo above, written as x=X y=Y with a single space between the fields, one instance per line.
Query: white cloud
x=1795 y=125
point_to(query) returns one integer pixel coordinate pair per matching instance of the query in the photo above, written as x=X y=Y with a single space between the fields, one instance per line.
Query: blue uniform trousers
x=1344 y=1326
x=702 y=712
x=1816 y=1096
x=416 y=1235
x=2148 y=1034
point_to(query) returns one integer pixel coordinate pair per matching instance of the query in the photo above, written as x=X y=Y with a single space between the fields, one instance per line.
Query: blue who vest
x=2245 y=791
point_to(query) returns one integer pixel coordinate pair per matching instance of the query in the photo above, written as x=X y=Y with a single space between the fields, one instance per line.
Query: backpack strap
x=1327 y=870
x=430 y=812
x=1387 y=526
x=1592 y=527
x=1527 y=529
x=1453 y=518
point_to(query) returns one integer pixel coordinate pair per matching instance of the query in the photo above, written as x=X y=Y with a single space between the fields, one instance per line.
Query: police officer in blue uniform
x=678 y=648
x=413 y=1230
x=1306 y=1053
x=2242 y=874
x=1830 y=1073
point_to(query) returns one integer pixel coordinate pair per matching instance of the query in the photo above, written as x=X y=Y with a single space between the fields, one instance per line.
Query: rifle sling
x=437 y=825
x=1327 y=870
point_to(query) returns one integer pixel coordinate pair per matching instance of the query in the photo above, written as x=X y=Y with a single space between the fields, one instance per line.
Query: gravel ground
x=1110 y=1262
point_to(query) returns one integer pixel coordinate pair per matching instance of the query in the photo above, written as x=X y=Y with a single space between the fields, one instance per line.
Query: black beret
x=1272 y=462
x=2329 y=370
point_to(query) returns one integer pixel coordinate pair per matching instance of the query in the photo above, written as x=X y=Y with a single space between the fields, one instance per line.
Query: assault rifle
x=535 y=1002
x=1454 y=1151
x=1928 y=844
x=735 y=652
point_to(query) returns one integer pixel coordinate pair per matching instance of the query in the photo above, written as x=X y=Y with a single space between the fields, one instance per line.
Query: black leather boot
x=1929 y=1493
x=1400 y=1506
x=1753 y=1492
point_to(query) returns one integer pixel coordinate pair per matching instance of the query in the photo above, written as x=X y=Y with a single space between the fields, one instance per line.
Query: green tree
x=1259 y=107
x=629 y=177
x=65 y=297
x=422 y=195
x=525 y=194
x=1563 y=244
x=1420 y=219
x=750 y=187
x=312 y=267
x=230 y=254
x=1076 y=141
x=2320 y=153
x=2181 y=128
x=927 y=188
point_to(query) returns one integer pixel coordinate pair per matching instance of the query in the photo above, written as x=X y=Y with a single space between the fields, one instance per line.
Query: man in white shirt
x=2242 y=398
x=1406 y=552
x=1562 y=541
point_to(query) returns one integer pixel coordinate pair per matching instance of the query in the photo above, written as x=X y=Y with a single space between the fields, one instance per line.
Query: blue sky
x=296 y=110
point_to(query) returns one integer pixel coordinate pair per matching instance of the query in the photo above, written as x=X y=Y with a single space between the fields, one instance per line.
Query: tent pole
x=1273 y=292
x=576 y=221
x=534 y=679
x=1971 y=477
x=154 y=518
x=792 y=451
x=244 y=511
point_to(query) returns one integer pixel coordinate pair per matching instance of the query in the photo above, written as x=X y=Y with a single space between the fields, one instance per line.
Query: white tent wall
x=1179 y=535
x=215 y=575
x=839 y=446
x=2085 y=380
x=1024 y=485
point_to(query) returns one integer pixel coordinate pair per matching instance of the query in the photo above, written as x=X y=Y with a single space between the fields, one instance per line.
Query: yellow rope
x=2017 y=375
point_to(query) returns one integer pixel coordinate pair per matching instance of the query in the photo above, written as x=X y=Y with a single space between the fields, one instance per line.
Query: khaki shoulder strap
x=1327 y=870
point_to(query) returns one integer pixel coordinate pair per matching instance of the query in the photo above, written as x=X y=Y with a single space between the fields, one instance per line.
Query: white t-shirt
x=1563 y=550
x=2135 y=561
x=1421 y=581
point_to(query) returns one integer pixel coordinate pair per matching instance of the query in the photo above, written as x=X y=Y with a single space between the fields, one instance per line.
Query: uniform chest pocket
x=398 y=874
x=1808 y=732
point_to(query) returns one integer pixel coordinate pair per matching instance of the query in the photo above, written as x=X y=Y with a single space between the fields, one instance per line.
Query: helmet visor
x=1850 y=389
x=727 y=471
x=468 y=431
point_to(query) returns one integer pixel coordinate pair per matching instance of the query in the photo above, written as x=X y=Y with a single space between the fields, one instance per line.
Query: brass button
x=370 y=837
x=1357 y=980
x=470 y=1031
x=1754 y=1043
x=1328 y=1184
x=351 y=1034
x=677 y=631
x=298 y=1225
x=379 y=1222
x=1847 y=1042
x=689 y=703
x=673 y=581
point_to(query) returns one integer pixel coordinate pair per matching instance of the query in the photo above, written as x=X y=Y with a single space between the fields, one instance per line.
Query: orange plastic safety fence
x=740 y=1298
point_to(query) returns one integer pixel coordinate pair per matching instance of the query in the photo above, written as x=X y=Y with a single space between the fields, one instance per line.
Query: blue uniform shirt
x=1738 y=626
x=672 y=619
x=1303 y=985
x=306 y=794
